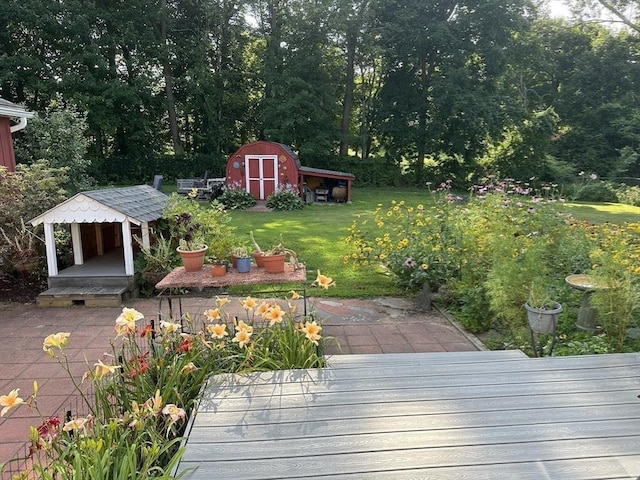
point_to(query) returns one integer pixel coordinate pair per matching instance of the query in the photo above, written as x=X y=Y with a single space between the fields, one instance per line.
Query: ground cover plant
x=140 y=396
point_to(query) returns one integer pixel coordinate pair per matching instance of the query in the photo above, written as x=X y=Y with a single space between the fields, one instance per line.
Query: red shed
x=10 y=110
x=262 y=167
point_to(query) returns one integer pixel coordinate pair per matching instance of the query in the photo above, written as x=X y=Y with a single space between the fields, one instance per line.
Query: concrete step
x=83 y=296
x=61 y=281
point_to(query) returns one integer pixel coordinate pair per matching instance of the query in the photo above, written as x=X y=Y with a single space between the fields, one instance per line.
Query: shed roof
x=311 y=170
x=9 y=109
x=137 y=204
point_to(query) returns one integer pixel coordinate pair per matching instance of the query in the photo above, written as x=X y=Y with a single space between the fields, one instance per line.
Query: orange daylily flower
x=312 y=331
x=242 y=337
x=212 y=314
x=274 y=315
x=218 y=330
x=323 y=281
x=10 y=401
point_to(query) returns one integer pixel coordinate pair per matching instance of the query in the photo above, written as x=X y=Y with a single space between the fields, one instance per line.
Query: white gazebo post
x=76 y=244
x=127 y=248
x=50 y=245
x=146 y=241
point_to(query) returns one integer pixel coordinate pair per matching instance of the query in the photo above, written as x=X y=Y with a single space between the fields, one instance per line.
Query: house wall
x=7 y=155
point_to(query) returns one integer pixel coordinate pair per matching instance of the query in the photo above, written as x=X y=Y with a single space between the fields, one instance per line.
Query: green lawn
x=317 y=234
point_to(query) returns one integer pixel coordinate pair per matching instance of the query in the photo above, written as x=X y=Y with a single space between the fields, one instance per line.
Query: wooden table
x=180 y=279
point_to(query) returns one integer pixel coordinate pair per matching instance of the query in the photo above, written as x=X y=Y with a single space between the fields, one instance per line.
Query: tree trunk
x=347 y=104
x=168 y=82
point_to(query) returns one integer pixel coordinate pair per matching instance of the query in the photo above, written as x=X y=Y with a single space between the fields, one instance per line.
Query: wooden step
x=83 y=296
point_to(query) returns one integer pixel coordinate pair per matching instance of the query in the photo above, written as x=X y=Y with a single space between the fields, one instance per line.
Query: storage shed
x=10 y=111
x=263 y=167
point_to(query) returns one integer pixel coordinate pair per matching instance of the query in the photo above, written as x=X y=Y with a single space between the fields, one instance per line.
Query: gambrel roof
x=137 y=204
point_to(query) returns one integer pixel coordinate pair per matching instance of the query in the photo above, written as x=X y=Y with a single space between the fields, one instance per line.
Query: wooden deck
x=468 y=415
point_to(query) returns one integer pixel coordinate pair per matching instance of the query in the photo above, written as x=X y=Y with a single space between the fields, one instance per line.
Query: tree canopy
x=395 y=91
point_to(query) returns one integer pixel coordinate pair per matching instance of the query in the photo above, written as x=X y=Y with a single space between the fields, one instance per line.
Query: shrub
x=285 y=199
x=236 y=199
x=628 y=195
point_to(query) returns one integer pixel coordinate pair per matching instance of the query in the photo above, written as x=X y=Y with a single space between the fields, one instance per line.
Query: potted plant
x=257 y=251
x=158 y=258
x=542 y=311
x=241 y=260
x=191 y=246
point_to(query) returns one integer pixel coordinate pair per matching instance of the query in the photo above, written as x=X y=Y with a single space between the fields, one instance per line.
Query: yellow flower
x=242 y=337
x=249 y=303
x=324 y=281
x=274 y=315
x=56 y=340
x=10 y=401
x=420 y=207
x=218 y=330
x=154 y=404
x=221 y=302
x=294 y=295
x=188 y=368
x=244 y=327
x=312 y=331
x=212 y=314
x=170 y=327
x=76 y=424
x=263 y=309
x=103 y=369
x=126 y=321
x=424 y=266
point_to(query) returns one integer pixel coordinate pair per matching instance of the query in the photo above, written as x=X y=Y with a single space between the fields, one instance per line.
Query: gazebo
x=102 y=224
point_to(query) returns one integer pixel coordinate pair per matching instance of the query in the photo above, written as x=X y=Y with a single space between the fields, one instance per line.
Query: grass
x=317 y=235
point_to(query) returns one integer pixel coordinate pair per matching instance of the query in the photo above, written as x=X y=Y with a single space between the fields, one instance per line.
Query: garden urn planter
x=274 y=263
x=193 y=260
x=543 y=320
x=218 y=269
x=243 y=264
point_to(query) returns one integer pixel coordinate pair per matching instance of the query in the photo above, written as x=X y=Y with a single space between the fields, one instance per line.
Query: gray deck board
x=409 y=416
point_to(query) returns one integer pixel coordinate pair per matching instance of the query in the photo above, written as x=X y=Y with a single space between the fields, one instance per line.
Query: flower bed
x=137 y=399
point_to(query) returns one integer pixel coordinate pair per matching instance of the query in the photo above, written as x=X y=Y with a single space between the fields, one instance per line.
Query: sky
x=558 y=8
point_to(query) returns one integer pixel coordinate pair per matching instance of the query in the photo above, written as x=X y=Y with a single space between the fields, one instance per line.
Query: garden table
x=179 y=280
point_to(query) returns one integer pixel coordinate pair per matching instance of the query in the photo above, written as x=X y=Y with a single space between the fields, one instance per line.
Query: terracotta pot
x=258 y=256
x=274 y=263
x=193 y=260
x=234 y=260
x=218 y=270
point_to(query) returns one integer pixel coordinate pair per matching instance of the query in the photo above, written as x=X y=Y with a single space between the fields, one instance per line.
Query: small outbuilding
x=10 y=112
x=102 y=224
x=262 y=168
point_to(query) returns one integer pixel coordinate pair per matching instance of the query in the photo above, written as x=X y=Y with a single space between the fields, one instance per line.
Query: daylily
x=323 y=281
x=249 y=303
x=75 y=424
x=312 y=331
x=244 y=327
x=263 y=308
x=175 y=412
x=188 y=368
x=170 y=327
x=126 y=321
x=10 y=401
x=55 y=340
x=218 y=330
x=294 y=295
x=274 y=315
x=242 y=337
x=103 y=369
x=212 y=314
x=221 y=302
x=154 y=404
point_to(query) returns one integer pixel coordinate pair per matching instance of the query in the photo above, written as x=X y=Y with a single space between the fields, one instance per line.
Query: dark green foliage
x=236 y=199
x=284 y=200
x=629 y=195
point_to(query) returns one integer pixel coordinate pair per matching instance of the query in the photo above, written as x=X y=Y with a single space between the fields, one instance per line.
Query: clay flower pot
x=193 y=260
x=218 y=269
x=274 y=263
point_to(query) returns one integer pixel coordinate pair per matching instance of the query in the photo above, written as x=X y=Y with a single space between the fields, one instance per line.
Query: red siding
x=262 y=182
x=7 y=156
